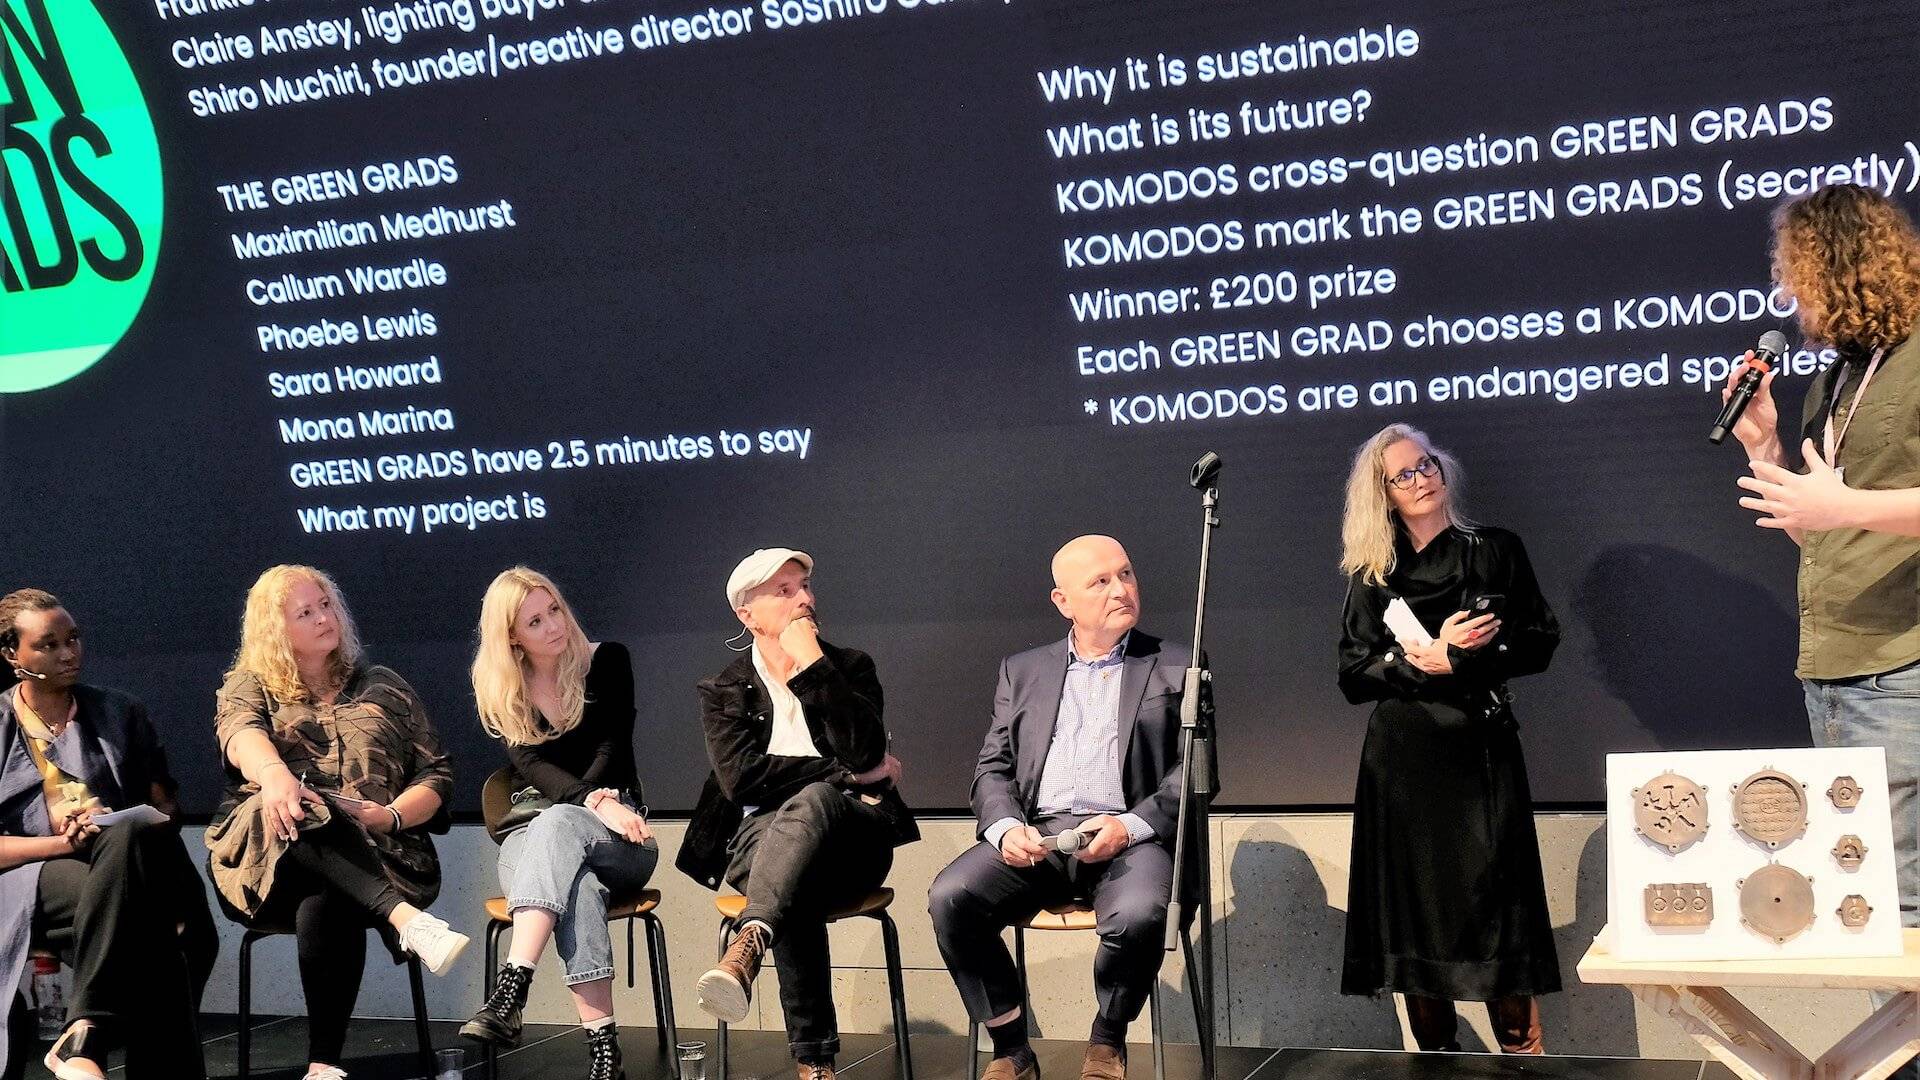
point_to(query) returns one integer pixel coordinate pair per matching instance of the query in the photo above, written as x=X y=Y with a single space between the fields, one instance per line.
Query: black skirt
x=1446 y=897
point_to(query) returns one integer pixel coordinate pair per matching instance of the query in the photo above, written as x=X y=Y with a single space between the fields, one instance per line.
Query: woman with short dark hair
x=122 y=899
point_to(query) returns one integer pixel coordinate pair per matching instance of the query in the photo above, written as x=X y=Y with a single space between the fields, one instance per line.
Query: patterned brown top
x=374 y=742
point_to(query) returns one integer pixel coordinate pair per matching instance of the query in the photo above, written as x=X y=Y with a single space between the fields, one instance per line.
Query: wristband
x=398 y=825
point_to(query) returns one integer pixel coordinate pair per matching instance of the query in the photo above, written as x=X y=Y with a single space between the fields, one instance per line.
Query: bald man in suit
x=1085 y=737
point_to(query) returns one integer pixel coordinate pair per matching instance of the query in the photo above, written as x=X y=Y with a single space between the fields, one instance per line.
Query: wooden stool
x=872 y=906
x=1069 y=916
x=245 y=1036
x=639 y=907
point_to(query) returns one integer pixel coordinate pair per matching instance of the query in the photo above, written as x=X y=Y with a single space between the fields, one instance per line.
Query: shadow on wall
x=1704 y=659
x=1286 y=941
x=1589 y=1020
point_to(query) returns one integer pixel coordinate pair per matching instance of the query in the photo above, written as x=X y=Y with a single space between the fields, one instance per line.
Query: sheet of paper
x=1406 y=625
x=143 y=813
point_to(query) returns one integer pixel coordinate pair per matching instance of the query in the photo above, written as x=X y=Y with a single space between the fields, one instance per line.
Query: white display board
x=1723 y=856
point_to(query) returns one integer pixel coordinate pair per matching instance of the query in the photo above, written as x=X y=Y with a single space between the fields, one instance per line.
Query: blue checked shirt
x=1082 y=772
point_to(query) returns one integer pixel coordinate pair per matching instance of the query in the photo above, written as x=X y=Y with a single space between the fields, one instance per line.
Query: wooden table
x=1693 y=994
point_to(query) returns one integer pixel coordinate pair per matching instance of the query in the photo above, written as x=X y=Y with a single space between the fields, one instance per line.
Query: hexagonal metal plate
x=1776 y=901
x=1676 y=904
x=1670 y=810
x=1770 y=807
x=1844 y=793
x=1854 y=911
x=1849 y=851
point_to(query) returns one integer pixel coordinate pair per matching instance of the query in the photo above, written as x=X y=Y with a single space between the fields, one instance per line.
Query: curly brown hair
x=1851 y=258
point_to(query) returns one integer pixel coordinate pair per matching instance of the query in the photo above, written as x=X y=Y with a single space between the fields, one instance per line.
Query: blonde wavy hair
x=266 y=654
x=1850 y=257
x=500 y=668
x=1367 y=531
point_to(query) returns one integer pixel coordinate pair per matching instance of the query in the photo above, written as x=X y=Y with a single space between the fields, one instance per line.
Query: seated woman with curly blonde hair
x=337 y=778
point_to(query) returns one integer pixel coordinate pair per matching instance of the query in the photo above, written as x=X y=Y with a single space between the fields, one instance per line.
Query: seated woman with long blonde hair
x=564 y=707
x=337 y=777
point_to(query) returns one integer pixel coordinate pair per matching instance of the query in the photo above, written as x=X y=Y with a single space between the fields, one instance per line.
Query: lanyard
x=1832 y=441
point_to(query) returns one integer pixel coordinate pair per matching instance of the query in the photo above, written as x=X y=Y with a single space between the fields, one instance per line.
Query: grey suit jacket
x=1026 y=704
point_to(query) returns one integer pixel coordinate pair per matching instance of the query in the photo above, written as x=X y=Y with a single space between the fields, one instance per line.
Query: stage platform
x=383 y=1050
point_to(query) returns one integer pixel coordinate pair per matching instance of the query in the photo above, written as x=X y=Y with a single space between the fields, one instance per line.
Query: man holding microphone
x=1085 y=738
x=1851 y=260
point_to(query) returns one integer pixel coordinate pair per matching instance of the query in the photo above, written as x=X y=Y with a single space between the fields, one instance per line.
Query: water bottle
x=49 y=998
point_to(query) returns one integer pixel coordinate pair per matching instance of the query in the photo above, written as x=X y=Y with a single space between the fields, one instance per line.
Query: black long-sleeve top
x=1437 y=581
x=598 y=751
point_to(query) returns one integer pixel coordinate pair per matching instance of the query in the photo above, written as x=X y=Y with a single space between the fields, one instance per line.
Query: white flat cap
x=756 y=569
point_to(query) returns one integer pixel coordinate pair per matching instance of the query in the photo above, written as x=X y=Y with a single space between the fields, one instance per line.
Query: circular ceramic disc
x=1670 y=810
x=1770 y=807
x=1777 y=901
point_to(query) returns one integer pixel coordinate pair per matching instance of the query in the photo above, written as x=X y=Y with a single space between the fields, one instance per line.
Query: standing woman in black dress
x=1446 y=901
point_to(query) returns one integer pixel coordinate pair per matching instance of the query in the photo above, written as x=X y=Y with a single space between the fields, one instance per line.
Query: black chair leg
x=896 y=987
x=720 y=1026
x=495 y=931
x=245 y=1035
x=663 y=992
x=629 y=953
x=418 y=985
x=1020 y=965
x=1159 y=1037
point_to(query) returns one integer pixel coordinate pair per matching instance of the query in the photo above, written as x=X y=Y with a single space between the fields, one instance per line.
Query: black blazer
x=1006 y=782
x=841 y=697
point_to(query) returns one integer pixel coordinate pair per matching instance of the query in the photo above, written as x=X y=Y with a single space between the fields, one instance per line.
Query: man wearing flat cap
x=1085 y=738
x=802 y=810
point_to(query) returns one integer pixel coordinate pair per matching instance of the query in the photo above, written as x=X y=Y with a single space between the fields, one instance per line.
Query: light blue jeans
x=567 y=862
x=1884 y=711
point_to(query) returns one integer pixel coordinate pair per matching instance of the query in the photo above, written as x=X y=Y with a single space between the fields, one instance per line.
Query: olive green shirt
x=1859 y=590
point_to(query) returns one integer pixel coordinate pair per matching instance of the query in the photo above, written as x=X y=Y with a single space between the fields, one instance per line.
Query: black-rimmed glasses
x=1403 y=479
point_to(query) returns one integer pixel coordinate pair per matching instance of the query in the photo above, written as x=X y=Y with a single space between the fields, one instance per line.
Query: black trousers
x=823 y=849
x=978 y=895
x=133 y=914
x=330 y=889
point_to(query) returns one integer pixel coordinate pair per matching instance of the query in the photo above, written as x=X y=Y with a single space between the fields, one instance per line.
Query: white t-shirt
x=790 y=735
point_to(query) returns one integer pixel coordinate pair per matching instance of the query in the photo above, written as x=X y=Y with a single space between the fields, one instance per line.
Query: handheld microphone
x=1772 y=345
x=1065 y=843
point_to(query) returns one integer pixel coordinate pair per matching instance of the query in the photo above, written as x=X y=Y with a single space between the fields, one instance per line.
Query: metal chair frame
x=896 y=982
x=1026 y=999
x=244 y=1038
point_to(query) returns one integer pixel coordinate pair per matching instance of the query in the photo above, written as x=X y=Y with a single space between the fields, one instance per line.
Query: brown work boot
x=1103 y=1063
x=727 y=987
x=816 y=1071
x=1021 y=1066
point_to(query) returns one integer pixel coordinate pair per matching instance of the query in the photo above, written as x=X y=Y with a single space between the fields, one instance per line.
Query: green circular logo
x=81 y=192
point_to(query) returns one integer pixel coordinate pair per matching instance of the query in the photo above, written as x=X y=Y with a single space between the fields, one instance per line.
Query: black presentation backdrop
x=852 y=227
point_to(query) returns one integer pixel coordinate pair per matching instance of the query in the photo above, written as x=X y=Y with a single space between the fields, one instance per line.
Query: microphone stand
x=1199 y=782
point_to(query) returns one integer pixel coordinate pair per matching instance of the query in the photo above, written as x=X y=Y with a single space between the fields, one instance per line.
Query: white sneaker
x=433 y=941
x=326 y=1072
